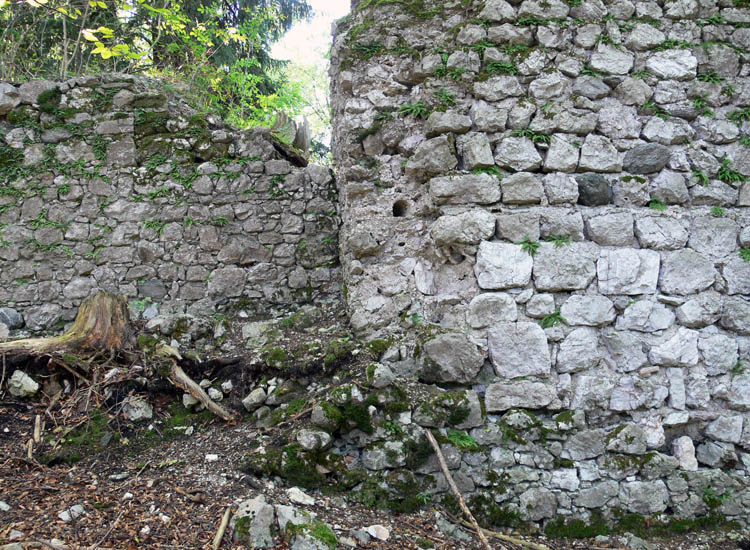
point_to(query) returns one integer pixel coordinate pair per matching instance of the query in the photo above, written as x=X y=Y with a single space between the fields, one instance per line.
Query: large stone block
x=500 y=266
x=588 y=310
x=611 y=229
x=661 y=232
x=737 y=275
x=646 y=315
x=673 y=64
x=497 y=88
x=679 y=350
x=519 y=349
x=517 y=154
x=686 y=272
x=490 y=309
x=228 y=281
x=646 y=159
x=700 y=311
x=591 y=391
x=579 y=351
x=502 y=396
x=584 y=445
x=433 y=156
x=612 y=60
x=522 y=188
x=735 y=315
x=739 y=393
x=569 y=267
x=466 y=228
x=644 y=497
x=465 y=189
x=9 y=98
x=626 y=348
x=628 y=271
x=714 y=237
x=599 y=155
x=451 y=357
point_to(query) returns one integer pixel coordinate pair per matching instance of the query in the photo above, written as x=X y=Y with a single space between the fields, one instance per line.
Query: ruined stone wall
x=548 y=199
x=105 y=183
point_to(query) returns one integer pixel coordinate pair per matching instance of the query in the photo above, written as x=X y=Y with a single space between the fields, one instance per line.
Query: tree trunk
x=102 y=325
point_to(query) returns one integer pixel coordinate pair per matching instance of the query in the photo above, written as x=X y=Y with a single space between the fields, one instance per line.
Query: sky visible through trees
x=217 y=53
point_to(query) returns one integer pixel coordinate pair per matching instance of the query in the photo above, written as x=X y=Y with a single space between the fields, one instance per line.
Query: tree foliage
x=218 y=50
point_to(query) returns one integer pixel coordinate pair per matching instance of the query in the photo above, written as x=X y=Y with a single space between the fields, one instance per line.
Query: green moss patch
x=636 y=524
x=49 y=100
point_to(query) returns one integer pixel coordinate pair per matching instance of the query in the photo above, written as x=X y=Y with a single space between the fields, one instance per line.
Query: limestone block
x=519 y=349
x=500 y=266
x=628 y=271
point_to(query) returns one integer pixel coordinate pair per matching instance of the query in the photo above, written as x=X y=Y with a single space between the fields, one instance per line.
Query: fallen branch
x=2 y=378
x=37 y=429
x=58 y=363
x=290 y=420
x=456 y=492
x=222 y=529
x=179 y=378
x=101 y=540
x=47 y=544
x=508 y=538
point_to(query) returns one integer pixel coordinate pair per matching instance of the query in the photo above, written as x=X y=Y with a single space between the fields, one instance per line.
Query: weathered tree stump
x=102 y=325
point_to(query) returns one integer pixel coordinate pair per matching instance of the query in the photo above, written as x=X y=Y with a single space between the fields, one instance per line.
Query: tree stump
x=102 y=325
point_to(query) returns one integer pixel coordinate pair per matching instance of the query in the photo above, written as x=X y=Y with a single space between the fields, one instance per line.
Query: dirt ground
x=167 y=484
x=172 y=495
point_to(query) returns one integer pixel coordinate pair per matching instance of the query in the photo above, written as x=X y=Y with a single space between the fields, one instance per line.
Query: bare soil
x=157 y=487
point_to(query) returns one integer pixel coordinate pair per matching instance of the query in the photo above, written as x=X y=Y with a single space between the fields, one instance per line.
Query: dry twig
x=456 y=492
x=47 y=544
x=2 y=378
x=291 y=419
x=508 y=538
x=222 y=529
x=99 y=543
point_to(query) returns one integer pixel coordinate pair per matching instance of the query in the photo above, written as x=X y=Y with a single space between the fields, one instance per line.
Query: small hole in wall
x=402 y=244
x=400 y=208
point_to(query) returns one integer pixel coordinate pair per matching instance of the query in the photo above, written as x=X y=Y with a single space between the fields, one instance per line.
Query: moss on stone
x=635 y=524
x=49 y=100
x=417 y=452
x=565 y=417
x=449 y=408
x=378 y=346
x=323 y=533
x=181 y=327
x=148 y=123
x=399 y=491
x=242 y=526
x=358 y=415
x=332 y=412
x=274 y=356
x=149 y=101
x=370 y=371
x=337 y=350
x=561 y=528
x=490 y=515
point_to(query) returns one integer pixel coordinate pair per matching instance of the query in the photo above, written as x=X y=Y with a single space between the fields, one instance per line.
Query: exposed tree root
x=102 y=329
x=179 y=378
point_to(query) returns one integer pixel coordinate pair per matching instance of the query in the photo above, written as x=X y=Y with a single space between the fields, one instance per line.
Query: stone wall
x=108 y=184
x=548 y=200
